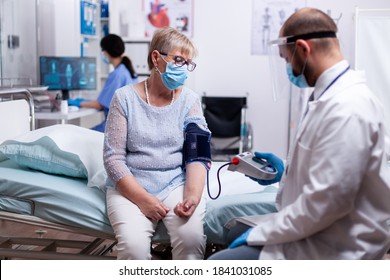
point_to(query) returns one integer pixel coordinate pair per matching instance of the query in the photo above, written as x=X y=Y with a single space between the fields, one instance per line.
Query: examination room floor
x=14 y=229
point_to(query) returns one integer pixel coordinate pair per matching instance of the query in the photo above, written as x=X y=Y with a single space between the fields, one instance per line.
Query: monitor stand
x=65 y=94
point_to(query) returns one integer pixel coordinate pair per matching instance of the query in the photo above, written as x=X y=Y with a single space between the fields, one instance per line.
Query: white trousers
x=133 y=230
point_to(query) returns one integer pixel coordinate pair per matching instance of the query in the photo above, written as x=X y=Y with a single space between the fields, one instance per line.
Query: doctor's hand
x=241 y=240
x=276 y=163
x=76 y=102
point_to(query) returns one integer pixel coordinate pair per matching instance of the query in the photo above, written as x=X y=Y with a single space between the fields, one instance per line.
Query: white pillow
x=60 y=149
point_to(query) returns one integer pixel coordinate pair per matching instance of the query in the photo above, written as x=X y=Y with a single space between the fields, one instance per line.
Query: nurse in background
x=113 y=49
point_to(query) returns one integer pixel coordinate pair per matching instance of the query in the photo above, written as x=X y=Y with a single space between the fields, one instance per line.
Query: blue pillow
x=60 y=149
x=44 y=155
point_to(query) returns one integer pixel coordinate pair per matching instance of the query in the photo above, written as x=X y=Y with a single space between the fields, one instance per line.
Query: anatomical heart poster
x=175 y=13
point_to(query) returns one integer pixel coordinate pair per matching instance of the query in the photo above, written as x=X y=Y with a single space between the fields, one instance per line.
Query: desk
x=64 y=118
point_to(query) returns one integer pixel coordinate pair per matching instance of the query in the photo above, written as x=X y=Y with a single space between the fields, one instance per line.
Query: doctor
x=334 y=194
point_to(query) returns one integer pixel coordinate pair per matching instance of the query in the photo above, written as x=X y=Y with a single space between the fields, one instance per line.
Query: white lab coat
x=334 y=198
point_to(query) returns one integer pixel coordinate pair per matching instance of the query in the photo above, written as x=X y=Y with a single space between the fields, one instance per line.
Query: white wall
x=59 y=27
x=372 y=55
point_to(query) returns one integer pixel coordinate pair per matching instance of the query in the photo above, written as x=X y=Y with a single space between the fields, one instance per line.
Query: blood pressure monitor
x=252 y=166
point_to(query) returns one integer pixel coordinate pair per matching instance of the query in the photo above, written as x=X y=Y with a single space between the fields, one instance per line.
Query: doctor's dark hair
x=115 y=47
x=310 y=20
x=167 y=39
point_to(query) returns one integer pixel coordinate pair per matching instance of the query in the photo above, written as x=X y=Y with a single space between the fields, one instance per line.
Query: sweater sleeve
x=195 y=114
x=115 y=140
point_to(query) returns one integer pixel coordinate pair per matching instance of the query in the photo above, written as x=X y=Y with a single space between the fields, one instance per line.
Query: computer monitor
x=68 y=73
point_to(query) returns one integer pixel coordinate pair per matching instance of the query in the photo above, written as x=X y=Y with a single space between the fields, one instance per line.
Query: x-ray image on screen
x=68 y=73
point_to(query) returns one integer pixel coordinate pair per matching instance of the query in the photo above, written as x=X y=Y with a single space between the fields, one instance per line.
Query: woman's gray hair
x=167 y=39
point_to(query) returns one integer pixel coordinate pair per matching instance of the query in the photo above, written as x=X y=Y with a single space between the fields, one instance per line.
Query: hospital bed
x=75 y=203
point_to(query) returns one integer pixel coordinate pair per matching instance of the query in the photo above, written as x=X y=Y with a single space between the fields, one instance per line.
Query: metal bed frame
x=50 y=248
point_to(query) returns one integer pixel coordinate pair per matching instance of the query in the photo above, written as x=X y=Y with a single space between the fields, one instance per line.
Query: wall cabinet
x=18 y=41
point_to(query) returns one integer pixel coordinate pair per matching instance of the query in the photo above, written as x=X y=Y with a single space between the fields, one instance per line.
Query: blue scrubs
x=116 y=79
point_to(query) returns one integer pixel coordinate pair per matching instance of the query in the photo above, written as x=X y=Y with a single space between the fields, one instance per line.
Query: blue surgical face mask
x=174 y=76
x=105 y=59
x=300 y=80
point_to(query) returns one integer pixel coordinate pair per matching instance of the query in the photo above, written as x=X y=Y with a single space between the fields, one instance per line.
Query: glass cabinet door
x=18 y=42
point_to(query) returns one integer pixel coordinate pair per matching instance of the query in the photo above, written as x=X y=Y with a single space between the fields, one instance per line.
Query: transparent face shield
x=281 y=51
x=278 y=51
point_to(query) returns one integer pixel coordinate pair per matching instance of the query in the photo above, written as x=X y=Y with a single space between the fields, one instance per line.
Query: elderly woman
x=152 y=173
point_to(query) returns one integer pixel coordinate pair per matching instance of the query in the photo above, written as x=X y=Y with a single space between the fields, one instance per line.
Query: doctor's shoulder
x=359 y=100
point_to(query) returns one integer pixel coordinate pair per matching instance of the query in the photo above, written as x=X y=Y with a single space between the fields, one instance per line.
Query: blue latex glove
x=276 y=162
x=241 y=240
x=76 y=102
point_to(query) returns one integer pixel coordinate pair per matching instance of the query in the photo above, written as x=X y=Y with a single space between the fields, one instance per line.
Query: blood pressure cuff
x=196 y=146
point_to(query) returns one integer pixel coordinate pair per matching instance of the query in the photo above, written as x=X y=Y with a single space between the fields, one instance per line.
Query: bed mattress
x=68 y=201
x=59 y=199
